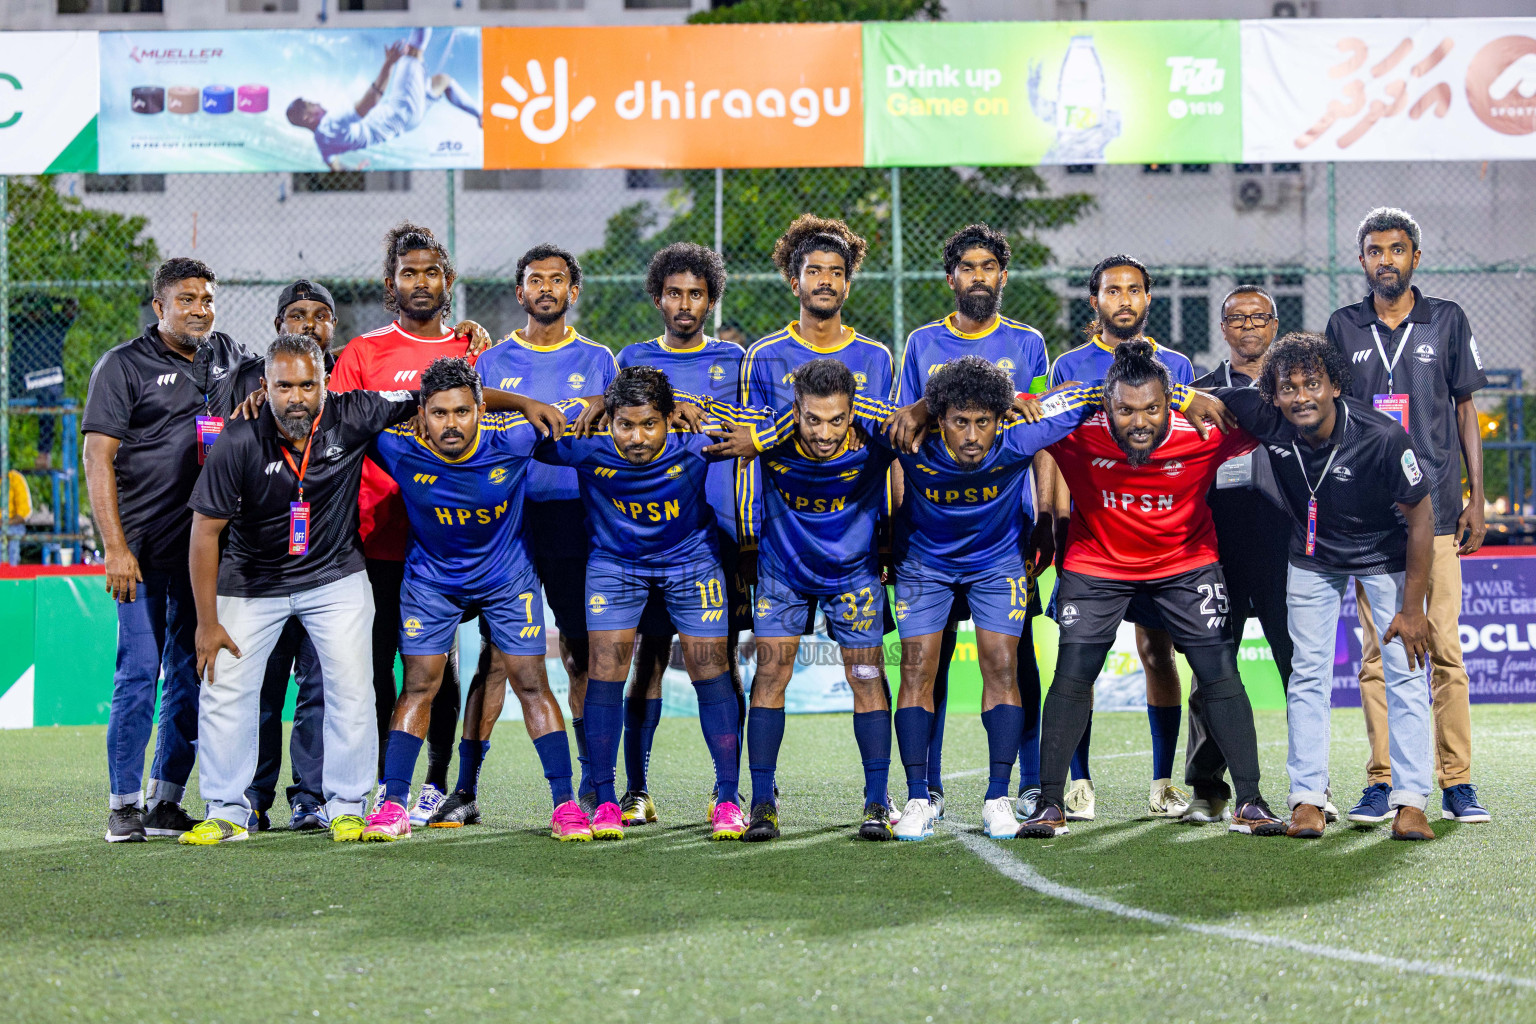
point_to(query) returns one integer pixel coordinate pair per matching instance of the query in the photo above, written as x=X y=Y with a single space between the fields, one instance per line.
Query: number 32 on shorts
x=851 y=603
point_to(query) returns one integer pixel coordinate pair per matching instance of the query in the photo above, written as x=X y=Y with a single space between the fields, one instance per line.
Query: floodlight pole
x=5 y=370
x=719 y=234
x=898 y=335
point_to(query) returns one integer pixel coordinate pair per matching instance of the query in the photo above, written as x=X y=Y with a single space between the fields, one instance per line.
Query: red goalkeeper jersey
x=1143 y=522
x=388 y=359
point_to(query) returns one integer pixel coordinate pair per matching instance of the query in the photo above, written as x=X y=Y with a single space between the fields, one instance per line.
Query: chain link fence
x=78 y=252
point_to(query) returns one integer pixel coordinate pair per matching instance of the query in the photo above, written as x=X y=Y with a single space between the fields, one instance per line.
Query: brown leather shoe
x=1410 y=823
x=1306 y=822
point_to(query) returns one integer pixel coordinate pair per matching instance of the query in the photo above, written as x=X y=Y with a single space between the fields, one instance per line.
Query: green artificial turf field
x=1123 y=920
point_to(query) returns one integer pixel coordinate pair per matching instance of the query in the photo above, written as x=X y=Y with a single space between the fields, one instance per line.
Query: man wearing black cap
x=304 y=307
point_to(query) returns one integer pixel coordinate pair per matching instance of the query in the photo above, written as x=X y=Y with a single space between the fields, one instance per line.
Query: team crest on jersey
x=1424 y=353
x=900 y=610
x=498 y=475
x=1068 y=615
x=576 y=381
x=674 y=470
x=1411 y=468
x=598 y=604
x=764 y=606
x=412 y=627
x=1343 y=474
x=1173 y=467
x=859 y=380
x=716 y=372
x=218 y=372
x=333 y=453
x=1005 y=364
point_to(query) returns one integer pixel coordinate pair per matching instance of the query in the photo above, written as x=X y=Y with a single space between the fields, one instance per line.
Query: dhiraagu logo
x=10 y=101
x=551 y=95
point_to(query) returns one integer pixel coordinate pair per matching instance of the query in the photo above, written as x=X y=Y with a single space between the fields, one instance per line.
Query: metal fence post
x=5 y=369
x=898 y=334
x=719 y=235
x=1333 y=249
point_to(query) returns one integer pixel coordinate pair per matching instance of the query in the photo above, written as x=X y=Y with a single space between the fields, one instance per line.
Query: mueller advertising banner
x=353 y=99
x=1052 y=93
x=1389 y=89
x=674 y=96
x=47 y=102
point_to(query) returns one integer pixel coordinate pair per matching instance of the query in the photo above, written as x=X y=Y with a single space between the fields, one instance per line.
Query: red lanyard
x=309 y=446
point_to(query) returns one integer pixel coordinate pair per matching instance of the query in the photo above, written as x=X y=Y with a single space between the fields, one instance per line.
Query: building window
x=374 y=5
x=1194 y=168
x=1285 y=168
x=1157 y=168
x=352 y=181
x=1080 y=168
x=651 y=178
x=525 y=5
x=263 y=6
x=125 y=183
x=1194 y=323
x=1247 y=168
x=111 y=6
x=502 y=181
x=653 y=5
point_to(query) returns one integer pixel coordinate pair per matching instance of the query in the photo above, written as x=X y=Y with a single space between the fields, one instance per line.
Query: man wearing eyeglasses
x=1252 y=539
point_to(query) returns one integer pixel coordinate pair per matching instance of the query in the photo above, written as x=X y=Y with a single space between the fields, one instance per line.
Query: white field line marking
x=1017 y=871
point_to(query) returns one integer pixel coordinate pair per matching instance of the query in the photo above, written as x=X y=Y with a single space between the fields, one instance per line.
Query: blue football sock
x=641 y=716
x=765 y=732
x=1029 y=691
x=913 y=727
x=554 y=752
x=399 y=765
x=719 y=720
x=940 y=710
x=1004 y=723
x=1080 y=755
x=1164 y=723
x=579 y=732
x=471 y=757
x=872 y=732
x=603 y=721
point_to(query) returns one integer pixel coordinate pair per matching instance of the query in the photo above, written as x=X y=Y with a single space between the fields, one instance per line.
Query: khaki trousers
x=1447 y=682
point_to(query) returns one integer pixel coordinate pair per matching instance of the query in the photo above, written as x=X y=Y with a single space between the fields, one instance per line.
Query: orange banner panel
x=674 y=96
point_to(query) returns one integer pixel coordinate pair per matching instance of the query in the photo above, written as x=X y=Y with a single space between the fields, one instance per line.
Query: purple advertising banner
x=1498 y=633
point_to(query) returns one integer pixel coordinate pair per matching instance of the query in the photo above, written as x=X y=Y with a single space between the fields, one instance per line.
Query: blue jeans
x=1313 y=600
x=294 y=655
x=155 y=631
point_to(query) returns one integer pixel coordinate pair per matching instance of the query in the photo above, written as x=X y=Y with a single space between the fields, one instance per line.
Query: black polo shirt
x=1359 y=529
x=1253 y=529
x=248 y=482
x=1439 y=364
x=149 y=397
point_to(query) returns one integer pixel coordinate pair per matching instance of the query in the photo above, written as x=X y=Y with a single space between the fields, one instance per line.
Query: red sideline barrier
x=31 y=572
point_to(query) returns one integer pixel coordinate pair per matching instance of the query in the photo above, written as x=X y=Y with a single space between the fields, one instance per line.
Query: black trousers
x=386 y=577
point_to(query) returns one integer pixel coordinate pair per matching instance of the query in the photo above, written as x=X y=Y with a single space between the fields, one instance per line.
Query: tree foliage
x=748 y=11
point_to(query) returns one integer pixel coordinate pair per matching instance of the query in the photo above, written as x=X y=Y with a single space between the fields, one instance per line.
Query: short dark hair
x=1118 y=260
x=810 y=233
x=407 y=237
x=1388 y=218
x=1135 y=364
x=823 y=378
x=640 y=385
x=547 y=251
x=179 y=268
x=449 y=374
x=685 y=258
x=976 y=236
x=1302 y=350
x=292 y=345
x=1249 y=289
x=969 y=382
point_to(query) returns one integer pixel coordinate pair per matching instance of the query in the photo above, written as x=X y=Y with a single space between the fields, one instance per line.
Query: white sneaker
x=997 y=819
x=936 y=802
x=378 y=798
x=895 y=816
x=916 y=821
x=426 y=805
x=1079 y=800
x=1027 y=804
x=1204 y=812
x=1165 y=800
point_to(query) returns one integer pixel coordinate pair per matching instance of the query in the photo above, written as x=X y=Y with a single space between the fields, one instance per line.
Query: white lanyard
x=1381 y=351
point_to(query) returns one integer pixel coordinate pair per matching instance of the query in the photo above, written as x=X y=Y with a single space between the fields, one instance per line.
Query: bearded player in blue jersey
x=822 y=497
x=684 y=282
x=547 y=359
x=976 y=268
x=653 y=531
x=1120 y=293
x=463 y=489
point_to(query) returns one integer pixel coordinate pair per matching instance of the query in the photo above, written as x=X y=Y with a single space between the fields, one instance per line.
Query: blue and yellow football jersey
x=1091 y=361
x=819 y=516
x=710 y=368
x=962 y=520
x=1008 y=344
x=574 y=367
x=466 y=513
x=768 y=369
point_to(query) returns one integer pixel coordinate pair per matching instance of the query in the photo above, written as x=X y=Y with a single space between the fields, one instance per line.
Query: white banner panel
x=48 y=98
x=1389 y=89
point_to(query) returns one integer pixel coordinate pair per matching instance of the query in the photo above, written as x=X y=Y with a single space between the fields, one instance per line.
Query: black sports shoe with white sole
x=456 y=810
x=126 y=825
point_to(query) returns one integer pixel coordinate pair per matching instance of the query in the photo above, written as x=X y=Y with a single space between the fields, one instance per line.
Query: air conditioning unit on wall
x=1260 y=189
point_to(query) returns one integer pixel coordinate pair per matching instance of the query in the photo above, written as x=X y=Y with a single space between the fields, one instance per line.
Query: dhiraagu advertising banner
x=1078 y=92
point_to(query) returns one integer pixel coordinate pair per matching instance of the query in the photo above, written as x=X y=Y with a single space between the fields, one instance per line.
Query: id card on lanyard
x=208 y=430
x=1392 y=403
x=1312 y=490
x=298 y=511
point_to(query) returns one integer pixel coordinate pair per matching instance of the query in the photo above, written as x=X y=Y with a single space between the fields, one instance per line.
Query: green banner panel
x=17 y=612
x=76 y=650
x=1077 y=92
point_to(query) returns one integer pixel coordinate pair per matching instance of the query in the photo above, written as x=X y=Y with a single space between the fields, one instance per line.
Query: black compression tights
x=1070 y=701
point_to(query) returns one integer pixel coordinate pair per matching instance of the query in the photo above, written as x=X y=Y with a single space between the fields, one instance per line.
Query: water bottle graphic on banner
x=1080 y=114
